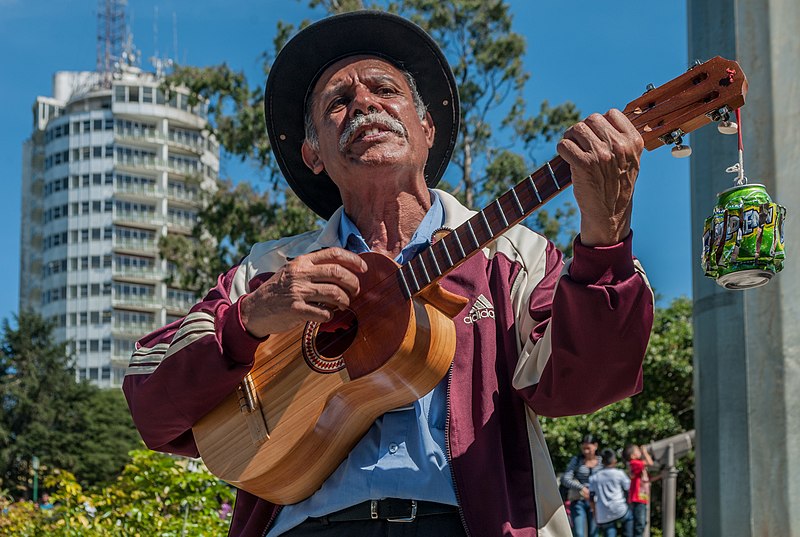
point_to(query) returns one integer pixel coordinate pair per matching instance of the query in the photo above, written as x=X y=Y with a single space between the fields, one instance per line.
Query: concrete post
x=668 y=491
x=747 y=345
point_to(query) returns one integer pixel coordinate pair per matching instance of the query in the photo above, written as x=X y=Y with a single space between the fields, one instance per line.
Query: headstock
x=705 y=93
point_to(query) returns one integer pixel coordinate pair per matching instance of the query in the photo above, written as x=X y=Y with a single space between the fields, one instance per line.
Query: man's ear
x=311 y=158
x=429 y=128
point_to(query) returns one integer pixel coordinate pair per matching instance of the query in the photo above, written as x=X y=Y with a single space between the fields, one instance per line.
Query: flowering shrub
x=155 y=495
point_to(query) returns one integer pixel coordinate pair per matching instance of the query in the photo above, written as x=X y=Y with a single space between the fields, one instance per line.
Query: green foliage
x=155 y=495
x=663 y=409
x=232 y=220
x=46 y=413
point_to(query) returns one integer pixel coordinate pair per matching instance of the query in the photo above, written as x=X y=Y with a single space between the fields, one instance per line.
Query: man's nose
x=363 y=103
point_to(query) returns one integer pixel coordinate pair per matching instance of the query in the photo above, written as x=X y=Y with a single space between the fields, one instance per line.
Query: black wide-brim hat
x=304 y=58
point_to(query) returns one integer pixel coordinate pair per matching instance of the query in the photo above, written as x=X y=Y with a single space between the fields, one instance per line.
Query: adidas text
x=478 y=315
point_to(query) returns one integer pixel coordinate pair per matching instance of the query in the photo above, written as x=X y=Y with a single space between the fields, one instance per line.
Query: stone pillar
x=747 y=343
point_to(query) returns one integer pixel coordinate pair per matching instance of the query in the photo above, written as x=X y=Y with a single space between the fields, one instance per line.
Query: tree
x=664 y=408
x=47 y=414
x=496 y=148
x=232 y=219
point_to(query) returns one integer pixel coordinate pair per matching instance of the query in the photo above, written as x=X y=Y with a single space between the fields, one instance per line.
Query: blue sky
x=587 y=52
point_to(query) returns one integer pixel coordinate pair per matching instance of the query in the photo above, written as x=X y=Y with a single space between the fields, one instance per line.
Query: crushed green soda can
x=743 y=243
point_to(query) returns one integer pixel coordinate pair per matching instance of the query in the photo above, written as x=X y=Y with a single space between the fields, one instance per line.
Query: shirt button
x=392 y=448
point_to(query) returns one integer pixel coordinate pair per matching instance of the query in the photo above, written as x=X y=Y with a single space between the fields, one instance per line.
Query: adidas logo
x=481 y=309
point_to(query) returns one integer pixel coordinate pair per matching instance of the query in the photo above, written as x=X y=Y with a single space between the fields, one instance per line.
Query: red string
x=739 y=122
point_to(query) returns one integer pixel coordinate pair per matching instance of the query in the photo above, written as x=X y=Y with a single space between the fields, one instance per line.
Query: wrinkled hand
x=603 y=152
x=308 y=288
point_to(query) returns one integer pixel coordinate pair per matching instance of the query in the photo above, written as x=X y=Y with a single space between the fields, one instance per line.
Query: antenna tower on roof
x=111 y=37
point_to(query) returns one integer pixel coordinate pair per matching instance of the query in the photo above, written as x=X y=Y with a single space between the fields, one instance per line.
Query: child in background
x=638 y=460
x=608 y=488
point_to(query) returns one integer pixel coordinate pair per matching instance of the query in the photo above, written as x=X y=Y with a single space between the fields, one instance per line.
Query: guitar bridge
x=250 y=406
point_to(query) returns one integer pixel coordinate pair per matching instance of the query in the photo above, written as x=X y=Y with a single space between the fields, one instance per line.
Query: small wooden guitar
x=315 y=391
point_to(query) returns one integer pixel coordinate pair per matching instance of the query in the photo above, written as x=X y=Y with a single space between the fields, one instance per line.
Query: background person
x=638 y=460
x=609 y=497
x=576 y=479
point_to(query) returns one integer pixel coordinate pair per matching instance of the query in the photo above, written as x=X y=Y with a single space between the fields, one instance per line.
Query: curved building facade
x=108 y=170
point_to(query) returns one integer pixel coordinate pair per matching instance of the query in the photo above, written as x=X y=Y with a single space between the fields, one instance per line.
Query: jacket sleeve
x=180 y=372
x=568 y=479
x=591 y=322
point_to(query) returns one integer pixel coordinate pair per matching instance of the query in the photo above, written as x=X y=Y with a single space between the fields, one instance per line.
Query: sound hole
x=336 y=336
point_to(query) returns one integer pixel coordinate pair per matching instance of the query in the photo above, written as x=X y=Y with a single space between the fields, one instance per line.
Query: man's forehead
x=364 y=64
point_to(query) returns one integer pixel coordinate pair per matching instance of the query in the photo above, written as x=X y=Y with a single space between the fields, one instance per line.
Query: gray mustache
x=373 y=118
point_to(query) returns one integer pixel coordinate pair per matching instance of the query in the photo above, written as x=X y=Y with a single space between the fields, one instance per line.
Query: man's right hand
x=307 y=289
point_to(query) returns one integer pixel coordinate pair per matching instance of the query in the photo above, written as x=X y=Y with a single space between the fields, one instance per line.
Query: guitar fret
x=485 y=222
x=424 y=269
x=502 y=213
x=447 y=253
x=460 y=246
x=553 y=176
x=472 y=234
x=404 y=283
x=435 y=263
x=535 y=190
x=516 y=201
x=414 y=277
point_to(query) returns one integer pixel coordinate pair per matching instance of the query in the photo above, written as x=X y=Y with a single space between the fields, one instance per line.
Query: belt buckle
x=410 y=518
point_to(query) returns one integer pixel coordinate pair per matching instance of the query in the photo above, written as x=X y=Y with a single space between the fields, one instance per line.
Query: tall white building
x=112 y=165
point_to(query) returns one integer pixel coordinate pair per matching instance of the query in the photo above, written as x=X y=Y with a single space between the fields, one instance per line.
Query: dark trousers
x=441 y=524
x=639 y=518
x=434 y=525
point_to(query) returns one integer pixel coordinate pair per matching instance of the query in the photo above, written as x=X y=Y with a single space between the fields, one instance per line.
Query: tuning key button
x=681 y=151
x=728 y=127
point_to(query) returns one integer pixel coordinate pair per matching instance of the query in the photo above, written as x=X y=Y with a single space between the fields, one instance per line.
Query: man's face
x=365 y=118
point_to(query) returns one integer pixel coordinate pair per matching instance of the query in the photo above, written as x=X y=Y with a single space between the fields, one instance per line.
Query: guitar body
x=303 y=420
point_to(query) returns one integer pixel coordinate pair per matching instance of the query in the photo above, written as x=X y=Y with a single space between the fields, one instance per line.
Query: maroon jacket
x=560 y=340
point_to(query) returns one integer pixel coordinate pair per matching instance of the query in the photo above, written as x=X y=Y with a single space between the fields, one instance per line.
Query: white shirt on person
x=610 y=489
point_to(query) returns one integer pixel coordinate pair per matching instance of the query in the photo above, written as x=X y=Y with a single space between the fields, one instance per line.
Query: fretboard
x=447 y=253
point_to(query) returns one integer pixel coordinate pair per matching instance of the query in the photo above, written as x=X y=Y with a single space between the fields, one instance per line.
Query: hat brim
x=303 y=59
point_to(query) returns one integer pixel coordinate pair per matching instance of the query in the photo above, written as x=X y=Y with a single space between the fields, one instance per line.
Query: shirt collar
x=351 y=238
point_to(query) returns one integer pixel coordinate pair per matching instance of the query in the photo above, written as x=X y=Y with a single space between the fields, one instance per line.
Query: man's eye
x=337 y=103
x=385 y=90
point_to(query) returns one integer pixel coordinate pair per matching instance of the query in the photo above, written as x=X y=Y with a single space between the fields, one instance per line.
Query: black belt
x=390 y=510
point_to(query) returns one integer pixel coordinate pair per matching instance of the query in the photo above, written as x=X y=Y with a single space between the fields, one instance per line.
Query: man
x=608 y=489
x=362 y=113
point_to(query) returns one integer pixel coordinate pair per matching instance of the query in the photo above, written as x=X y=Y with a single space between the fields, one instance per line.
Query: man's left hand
x=603 y=152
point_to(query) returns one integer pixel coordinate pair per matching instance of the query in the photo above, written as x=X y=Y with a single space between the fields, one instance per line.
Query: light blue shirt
x=403 y=455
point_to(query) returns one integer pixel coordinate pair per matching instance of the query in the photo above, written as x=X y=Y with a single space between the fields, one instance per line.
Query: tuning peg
x=681 y=151
x=728 y=127
x=676 y=137
x=694 y=64
x=649 y=88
